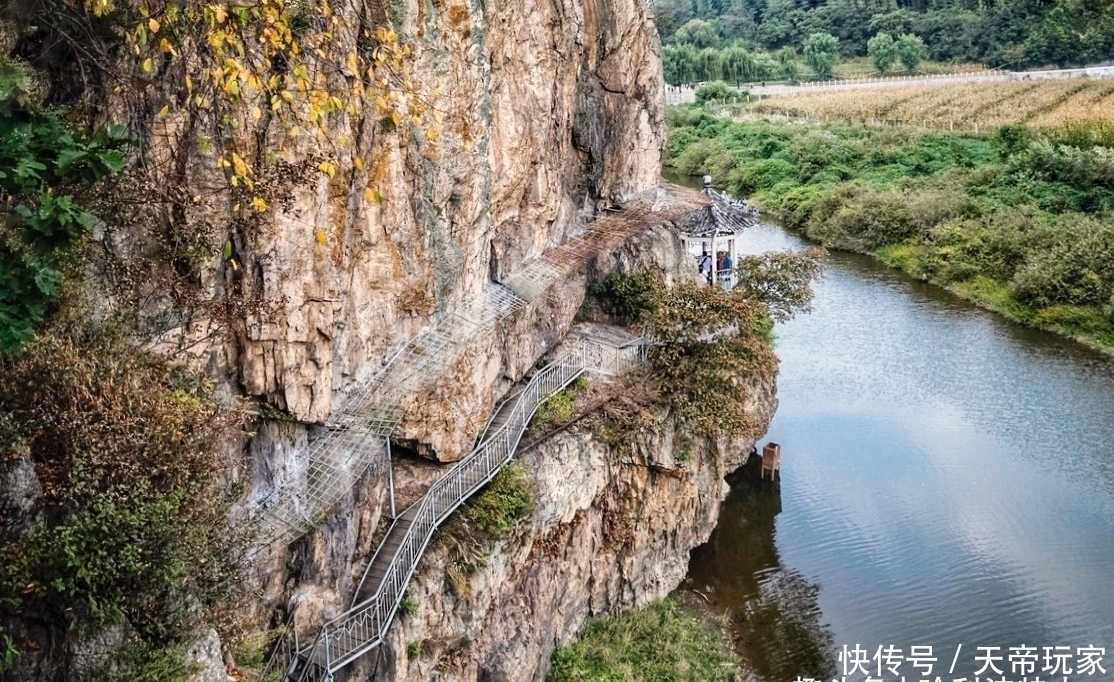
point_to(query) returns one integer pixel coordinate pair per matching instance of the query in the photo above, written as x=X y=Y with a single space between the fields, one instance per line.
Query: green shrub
x=46 y=170
x=714 y=91
x=408 y=606
x=1074 y=266
x=817 y=150
x=692 y=160
x=506 y=501
x=761 y=174
x=1082 y=134
x=132 y=519
x=657 y=642
x=627 y=297
x=1085 y=168
x=965 y=248
x=709 y=348
x=9 y=654
x=1010 y=140
x=862 y=222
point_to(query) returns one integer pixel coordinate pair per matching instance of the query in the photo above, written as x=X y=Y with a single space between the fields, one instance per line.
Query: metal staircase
x=346 y=637
x=359 y=432
x=328 y=469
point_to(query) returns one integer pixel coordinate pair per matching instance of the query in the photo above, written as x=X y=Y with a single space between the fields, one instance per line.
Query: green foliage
x=131 y=516
x=9 y=654
x=144 y=663
x=1075 y=266
x=46 y=167
x=710 y=349
x=251 y=651
x=414 y=650
x=1010 y=140
x=910 y=50
x=1092 y=167
x=700 y=34
x=882 y=51
x=408 y=606
x=821 y=52
x=781 y=280
x=787 y=60
x=1007 y=32
x=738 y=65
x=714 y=91
x=506 y=501
x=558 y=408
x=626 y=297
x=657 y=642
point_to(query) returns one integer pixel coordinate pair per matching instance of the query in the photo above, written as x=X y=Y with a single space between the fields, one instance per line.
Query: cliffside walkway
x=359 y=432
x=356 y=434
x=353 y=633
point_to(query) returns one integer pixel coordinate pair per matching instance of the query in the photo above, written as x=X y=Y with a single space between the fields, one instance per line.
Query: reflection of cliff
x=775 y=611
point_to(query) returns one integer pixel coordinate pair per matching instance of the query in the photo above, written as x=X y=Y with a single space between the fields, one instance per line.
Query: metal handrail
x=349 y=635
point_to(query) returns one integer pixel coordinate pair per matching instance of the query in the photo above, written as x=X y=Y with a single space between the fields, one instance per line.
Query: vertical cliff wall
x=549 y=112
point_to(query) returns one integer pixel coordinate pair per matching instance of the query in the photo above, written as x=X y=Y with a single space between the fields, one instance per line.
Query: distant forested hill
x=1006 y=33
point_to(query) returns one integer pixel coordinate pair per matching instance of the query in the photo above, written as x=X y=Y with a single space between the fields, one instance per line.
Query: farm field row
x=1038 y=104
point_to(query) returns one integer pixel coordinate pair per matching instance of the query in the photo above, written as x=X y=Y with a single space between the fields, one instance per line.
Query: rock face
x=552 y=112
x=550 y=108
x=611 y=529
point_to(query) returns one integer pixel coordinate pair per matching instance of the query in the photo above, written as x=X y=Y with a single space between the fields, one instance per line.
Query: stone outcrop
x=611 y=529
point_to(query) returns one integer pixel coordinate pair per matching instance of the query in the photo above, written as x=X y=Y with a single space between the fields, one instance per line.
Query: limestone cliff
x=552 y=112
x=611 y=530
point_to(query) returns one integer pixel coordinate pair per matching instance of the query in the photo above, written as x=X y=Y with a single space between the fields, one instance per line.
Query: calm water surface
x=948 y=479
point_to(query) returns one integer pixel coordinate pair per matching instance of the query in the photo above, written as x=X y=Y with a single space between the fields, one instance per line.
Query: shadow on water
x=774 y=610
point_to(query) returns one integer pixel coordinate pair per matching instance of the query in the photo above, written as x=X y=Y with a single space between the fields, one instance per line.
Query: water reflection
x=949 y=481
x=775 y=611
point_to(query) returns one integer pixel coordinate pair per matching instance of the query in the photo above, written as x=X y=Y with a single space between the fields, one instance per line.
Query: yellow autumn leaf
x=432 y=133
x=372 y=195
x=166 y=48
x=219 y=13
x=239 y=167
x=153 y=25
x=148 y=65
x=258 y=204
x=357 y=163
x=165 y=111
x=328 y=168
x=256 y=113
x=320 y=237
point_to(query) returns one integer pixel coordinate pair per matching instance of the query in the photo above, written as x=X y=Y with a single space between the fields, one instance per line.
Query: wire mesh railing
x=348 y=636
x=326 y=470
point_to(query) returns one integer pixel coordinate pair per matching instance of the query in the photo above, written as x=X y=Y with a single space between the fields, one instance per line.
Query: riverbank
x=923 y=497
x=1020 y=225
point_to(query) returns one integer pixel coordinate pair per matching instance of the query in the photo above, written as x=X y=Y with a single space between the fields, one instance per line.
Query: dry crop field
x=1039 y=104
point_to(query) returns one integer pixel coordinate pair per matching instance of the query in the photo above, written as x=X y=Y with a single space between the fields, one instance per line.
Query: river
x=947 y=481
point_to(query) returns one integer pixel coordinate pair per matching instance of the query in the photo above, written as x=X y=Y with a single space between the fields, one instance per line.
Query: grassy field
x=1037 y=104
x=663 y=641
x=1020 y=219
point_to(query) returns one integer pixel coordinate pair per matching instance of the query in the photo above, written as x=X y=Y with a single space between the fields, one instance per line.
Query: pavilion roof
x=724 y=214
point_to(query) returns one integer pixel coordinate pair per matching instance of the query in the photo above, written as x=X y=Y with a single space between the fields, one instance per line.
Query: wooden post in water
x=771 y=461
